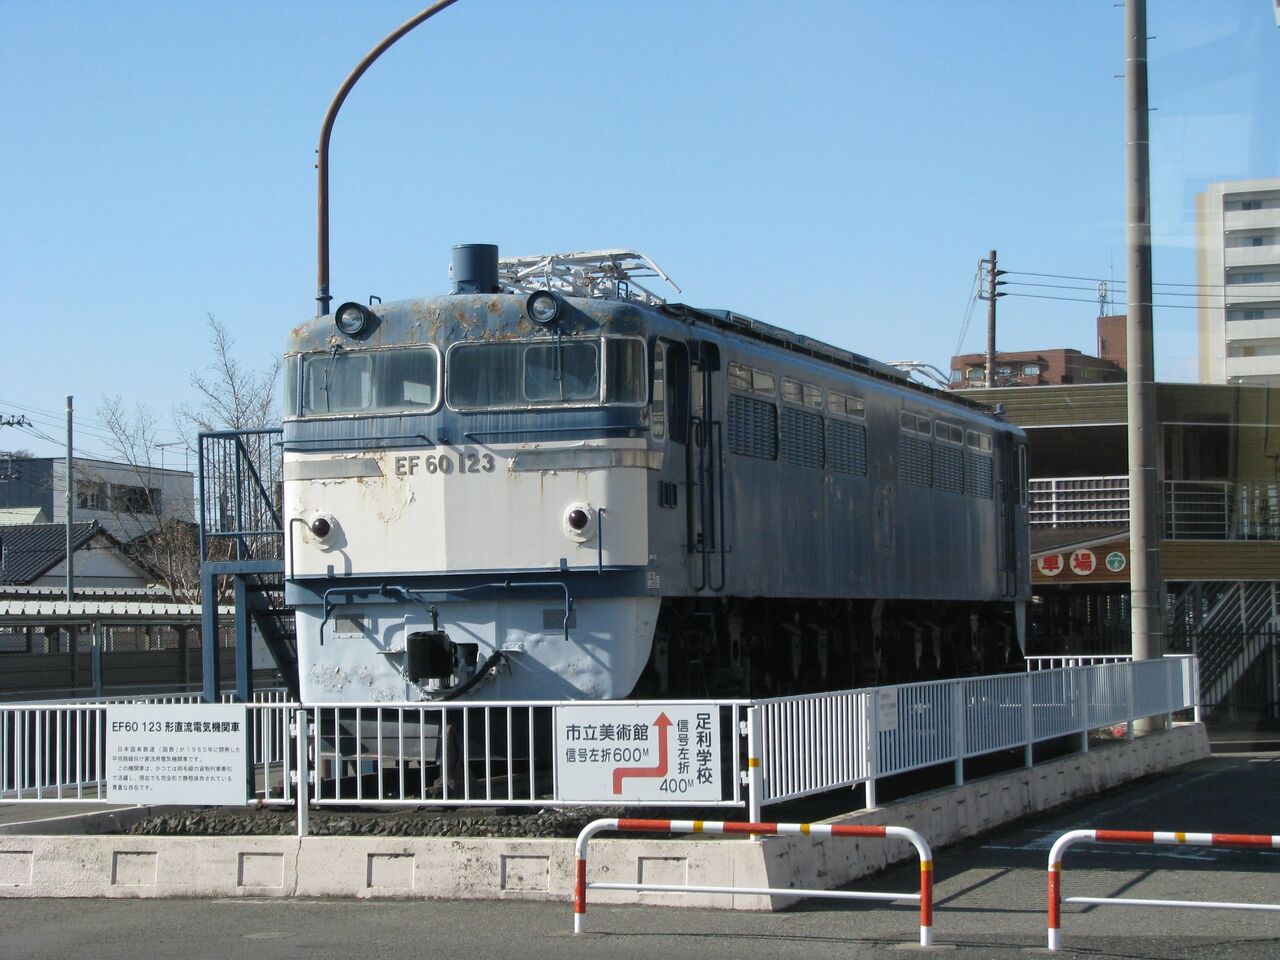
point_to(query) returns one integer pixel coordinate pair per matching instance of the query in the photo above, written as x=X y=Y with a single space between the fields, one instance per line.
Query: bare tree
x=233 y=397
x=156 y=534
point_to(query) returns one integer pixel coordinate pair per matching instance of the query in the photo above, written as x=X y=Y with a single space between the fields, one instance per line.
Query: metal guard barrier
x=1144 y=837
x=924 y=897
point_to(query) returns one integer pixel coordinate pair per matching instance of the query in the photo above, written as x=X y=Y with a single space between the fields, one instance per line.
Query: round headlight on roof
x=352 y=318
x=542 y=306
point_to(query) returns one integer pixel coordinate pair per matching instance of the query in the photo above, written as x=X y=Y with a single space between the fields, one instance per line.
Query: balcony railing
x=1193 y=509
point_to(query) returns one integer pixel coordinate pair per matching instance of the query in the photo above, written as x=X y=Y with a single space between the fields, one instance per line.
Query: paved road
x=990 y=902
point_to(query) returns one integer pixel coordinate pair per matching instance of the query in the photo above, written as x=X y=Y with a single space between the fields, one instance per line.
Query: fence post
x=1028 y=720
x=300 y=717
x=958 y=740
x=1128 y=694
x=872 y=728
x=95 y=657
x=1084 y=708
x=1195 y=684
x=755 y=775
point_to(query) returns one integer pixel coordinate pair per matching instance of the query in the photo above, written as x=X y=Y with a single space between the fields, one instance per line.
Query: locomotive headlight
x=542 y=306
x=352 y=318
x=322 y=528
x=579 y=522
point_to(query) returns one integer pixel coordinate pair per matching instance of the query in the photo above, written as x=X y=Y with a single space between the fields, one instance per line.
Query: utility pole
x=1146 y=585
x=991 y=296
x=71 y=491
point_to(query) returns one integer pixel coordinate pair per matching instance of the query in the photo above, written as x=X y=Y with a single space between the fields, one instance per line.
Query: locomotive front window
x=494 y=376
x=370 y=381
x=565 y=372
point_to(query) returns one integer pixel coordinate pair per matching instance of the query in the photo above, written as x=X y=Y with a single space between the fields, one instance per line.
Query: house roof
x=28 y=550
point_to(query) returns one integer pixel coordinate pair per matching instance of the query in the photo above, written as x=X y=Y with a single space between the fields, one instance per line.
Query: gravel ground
x=236 y=821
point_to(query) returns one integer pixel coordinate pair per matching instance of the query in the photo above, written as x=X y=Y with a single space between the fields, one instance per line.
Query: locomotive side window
x=658 y=408
x=794 y=391
x=750 y=379
x=369 y=381
x=846 y=406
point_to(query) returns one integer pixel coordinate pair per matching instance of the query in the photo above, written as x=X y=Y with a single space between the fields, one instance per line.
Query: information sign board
x=641 y=752
x=176 y=753
x=887 y=708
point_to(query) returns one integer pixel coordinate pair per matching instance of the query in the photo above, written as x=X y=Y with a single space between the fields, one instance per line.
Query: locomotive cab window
x=369 y=381
x=521 y=374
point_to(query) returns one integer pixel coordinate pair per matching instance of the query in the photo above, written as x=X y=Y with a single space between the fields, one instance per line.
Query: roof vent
x=474 y=268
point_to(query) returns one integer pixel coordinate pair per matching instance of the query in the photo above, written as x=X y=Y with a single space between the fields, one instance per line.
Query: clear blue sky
x=836 y=168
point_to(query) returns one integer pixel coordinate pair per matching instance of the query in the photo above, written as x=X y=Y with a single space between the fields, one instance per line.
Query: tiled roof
x=27 y=550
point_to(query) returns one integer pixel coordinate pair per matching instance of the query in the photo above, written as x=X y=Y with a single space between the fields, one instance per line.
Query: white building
x=126 y=501
x=1238 y=238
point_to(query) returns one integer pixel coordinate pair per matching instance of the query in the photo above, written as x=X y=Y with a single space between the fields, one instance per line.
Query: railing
x=1193 y=509
x=240 y=491
x=1079 y=660
x=57 y=751
x=924 y=898
x=1254 y=842
x=808 y=745
x=486 y=754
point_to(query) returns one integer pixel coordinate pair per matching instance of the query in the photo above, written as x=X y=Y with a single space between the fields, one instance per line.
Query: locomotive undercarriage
x=765 y=647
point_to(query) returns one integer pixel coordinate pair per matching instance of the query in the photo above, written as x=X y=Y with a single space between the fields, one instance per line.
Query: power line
x=1094 y=300
x=973 y=303
x=1121 y=283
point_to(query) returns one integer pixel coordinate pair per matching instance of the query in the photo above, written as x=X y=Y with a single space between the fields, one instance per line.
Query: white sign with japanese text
x=887 y=704
x=640 y=752
x=176 y=753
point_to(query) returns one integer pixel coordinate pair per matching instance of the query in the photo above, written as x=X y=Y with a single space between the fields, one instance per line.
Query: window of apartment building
x=91 y=495
x=1031 y=369
x=135 y=500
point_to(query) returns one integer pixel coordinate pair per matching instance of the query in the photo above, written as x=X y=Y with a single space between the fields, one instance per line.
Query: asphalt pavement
x=989 y=897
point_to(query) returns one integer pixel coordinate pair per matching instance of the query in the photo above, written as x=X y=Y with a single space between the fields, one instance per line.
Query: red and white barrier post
x=1144 y=837
x=924 y=897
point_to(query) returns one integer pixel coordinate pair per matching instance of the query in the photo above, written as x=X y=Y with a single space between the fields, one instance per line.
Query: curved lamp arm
x=322 y=152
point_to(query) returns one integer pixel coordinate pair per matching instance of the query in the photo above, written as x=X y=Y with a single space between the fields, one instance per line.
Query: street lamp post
x=322 y=151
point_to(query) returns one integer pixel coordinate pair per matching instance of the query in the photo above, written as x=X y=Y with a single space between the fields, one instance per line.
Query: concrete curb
x=498 y=869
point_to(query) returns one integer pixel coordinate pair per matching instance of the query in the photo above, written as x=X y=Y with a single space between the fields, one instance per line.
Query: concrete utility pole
x=992 y=273
x=71 y=491
x=1144 y=482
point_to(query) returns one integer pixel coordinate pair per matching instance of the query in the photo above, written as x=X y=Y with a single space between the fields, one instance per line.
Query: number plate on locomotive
x=461 y=461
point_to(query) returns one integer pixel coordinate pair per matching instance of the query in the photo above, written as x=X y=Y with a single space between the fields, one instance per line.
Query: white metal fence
x=503 y=754
x=1193 y=509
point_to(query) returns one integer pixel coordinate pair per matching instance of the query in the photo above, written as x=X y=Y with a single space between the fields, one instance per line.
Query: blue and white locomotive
x=551 y=483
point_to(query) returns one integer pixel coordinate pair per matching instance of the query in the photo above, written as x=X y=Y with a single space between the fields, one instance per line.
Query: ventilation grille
x=847 y=447
x=753 y=428
x=802 y=438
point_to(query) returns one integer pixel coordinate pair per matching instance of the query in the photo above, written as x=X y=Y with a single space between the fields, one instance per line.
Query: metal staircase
x=242 y=551
x=1229 y=625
